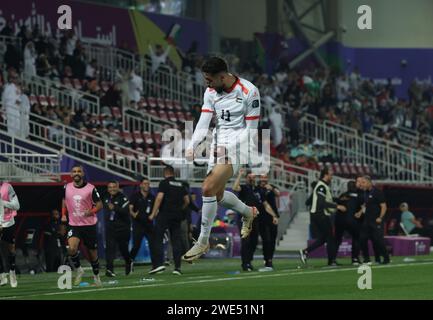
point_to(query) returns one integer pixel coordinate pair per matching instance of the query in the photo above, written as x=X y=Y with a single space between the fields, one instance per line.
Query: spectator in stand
x=135 y=86
x=92 y=70
x=159 y=56
x=276 y=126
x=29 y=60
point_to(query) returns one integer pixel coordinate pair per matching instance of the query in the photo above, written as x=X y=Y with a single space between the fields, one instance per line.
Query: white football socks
x=208 y=214
x=230 y=201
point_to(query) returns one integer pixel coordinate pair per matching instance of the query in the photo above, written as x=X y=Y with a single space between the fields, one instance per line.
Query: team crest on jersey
x=256 y=103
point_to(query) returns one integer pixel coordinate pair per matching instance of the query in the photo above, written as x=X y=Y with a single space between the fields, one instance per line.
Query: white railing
x=106 y=154
x=140 y=121
x=163 y=83
x=64 y=95
x=19 y=162
x=388 y=160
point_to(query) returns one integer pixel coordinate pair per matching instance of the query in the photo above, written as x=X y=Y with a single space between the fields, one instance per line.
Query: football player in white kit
x=236 y=104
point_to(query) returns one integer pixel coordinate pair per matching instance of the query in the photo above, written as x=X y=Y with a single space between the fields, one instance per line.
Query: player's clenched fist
x=189 y=154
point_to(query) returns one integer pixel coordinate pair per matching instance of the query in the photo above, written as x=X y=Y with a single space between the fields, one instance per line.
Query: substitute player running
x=81 y=202
x=236 y=104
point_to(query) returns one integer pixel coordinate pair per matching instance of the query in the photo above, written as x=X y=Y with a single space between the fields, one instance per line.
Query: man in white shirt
x=135 y=87
x=11 y=102
x=159 y=56
x=236 y=104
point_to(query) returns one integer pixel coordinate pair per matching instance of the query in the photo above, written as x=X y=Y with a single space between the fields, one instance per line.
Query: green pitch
x=221 y=279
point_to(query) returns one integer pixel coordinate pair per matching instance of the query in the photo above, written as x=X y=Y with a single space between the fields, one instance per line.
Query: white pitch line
x=281 y=273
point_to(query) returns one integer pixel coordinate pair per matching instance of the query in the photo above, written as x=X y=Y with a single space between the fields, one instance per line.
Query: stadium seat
x=33 y=100
x=169 y=104
x=157 y=138
x=52 y=101
x=147 y=138
x=77 y=84
x=337 y=169
x=153 y=113
x=172 y=117
x=127 y=137
x=163 y=115
x=189 y=116
x=152 y=102
x=161 y=103
x=43 y=101
x=138 y=137
x=177 y=105
x=345 y=169
x=117 y=114
x=180 y=116
x=67 y=82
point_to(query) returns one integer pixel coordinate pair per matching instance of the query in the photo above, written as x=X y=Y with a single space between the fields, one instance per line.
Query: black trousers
x=268 y=232
x=116 y=237
x=249 y=245
x=140 y=230
x=53 y=254
x=172 y=223
x=323 y=226
x=353 y=227
x=374 y=232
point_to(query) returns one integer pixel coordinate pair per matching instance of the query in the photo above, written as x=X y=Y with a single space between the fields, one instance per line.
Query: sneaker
x=167 y=263
x=266 y=269
x=79 y=275
x=97 y=280
x=195 y=252
x=159 y=269
x=247 y=223
x=3 y=279
x=13 y=279
x=110 y=273
x=128 y=268
x=355 y=262
x=247 y=268
x=177 y=272
x=303 y=256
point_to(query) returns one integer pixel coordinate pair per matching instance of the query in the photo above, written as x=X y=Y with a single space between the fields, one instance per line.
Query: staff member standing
x=268 y=221
x=373 y=211
x=322 y=206
x=117 y=227
x=247 y=195
x=140 y=208
x=345 y=220
x=167 y=211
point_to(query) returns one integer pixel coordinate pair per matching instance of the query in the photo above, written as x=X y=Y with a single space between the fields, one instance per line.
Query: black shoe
x=247 y=267
x=128 y=268
x=159 y=269
x=387 y=261
x=110 y=273
x=333 y=264
x=167 y=263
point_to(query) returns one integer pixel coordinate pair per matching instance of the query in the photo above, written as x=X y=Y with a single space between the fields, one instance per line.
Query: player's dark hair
x=144 y=179
x=351 y=186
x=77 y=166
x=113 y=181
x=214 y=65
x=169 y=170
x=324 y=172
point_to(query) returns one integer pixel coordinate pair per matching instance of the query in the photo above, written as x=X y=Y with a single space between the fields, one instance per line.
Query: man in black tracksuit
x=373 y=211
x=322 y=207
x=246 y=193
x=345 y=220
x=268 y=221
x=168 y=212
x=117 y=227
x=140 y=208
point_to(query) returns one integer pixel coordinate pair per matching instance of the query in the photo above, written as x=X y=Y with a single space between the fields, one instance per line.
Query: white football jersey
x=235 y=106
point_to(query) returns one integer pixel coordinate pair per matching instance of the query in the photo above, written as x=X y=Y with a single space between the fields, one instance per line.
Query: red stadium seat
x=147 y=138
x=33 y=100
x=169 y=104
x=337 y=169
x=153 y=113
x=177 y=105
x=127 y=137
x=360 y=169
x=352 y=169
x=367 y=170
x=163 y=115
x=52 y=101
x=138 y=137
x=77 y=84
x=180 y=116
x=189 y=116
x=43 y=101
x=161 y=103
x=152 y=102
x=117 y=114
x=172 y=117
x=67 y=82
x=157 y=138
x=345 y=169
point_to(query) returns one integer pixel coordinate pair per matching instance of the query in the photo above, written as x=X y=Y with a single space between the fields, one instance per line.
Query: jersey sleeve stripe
x=206 y=110
x=252 y=118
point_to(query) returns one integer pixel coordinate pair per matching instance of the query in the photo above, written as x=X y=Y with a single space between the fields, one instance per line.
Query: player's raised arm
x=202 y=127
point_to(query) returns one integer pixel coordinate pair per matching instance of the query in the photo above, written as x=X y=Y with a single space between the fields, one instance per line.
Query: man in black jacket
x=117 y=227
x=322 y=206
x=140 y=208
x=345 y=219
